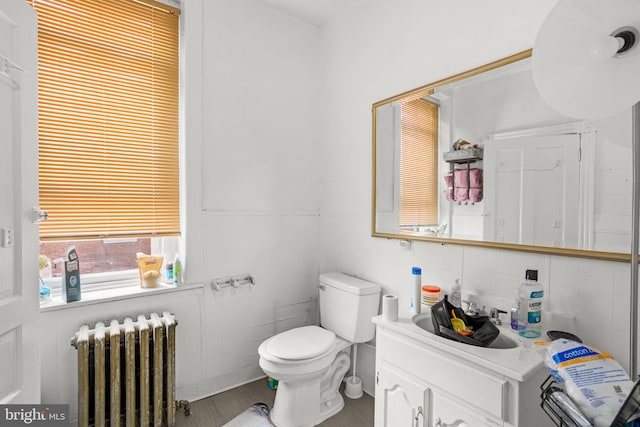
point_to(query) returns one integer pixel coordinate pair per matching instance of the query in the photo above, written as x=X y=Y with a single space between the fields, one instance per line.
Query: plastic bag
x=592 y=378
x=484 y=334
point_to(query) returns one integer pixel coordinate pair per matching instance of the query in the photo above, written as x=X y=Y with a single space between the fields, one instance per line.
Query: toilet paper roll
x=390 y=307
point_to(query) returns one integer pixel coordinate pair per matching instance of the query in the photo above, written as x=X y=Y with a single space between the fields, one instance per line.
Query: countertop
x=519 y=363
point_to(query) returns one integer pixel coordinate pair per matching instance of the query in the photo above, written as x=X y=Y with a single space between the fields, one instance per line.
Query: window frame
x=167 y=246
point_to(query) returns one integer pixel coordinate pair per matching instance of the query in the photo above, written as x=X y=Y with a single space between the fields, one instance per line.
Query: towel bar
x=234 y=281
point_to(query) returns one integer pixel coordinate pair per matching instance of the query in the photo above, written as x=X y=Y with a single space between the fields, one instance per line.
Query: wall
x=381 y=48
x=266 y=116
x=251 y=191
x=259 y=194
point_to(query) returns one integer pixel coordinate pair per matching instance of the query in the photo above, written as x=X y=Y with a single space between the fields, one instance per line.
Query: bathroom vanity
x=424 y=380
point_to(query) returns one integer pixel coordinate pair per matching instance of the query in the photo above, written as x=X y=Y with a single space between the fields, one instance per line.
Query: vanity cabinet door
x=401 y=401
x=449 y=411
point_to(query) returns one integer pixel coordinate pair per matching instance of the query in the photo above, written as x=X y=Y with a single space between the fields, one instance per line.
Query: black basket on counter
x=553 y=403
x=484 y=334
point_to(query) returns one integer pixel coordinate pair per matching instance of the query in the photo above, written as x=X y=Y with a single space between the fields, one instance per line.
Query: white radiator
x=126 y=372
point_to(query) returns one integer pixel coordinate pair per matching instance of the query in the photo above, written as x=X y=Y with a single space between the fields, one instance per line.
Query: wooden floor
x=217 y=410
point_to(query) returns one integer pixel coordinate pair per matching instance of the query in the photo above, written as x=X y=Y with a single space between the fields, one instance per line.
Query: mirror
x=480 y=159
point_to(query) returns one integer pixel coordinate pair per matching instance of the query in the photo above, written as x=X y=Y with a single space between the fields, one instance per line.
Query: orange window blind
x=108 y=118
x=419 y=163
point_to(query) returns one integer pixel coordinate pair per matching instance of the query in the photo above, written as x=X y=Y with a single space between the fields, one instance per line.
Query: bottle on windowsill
x=177 y=271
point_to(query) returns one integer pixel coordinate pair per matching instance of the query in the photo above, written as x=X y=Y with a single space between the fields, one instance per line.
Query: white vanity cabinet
x=423 y=385
x=400 y=399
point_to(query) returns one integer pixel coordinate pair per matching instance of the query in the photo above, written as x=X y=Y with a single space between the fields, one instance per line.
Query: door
x=400 y=400
x=19 y=296
x=532 y=190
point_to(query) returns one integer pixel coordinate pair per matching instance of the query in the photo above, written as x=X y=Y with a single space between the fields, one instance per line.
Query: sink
x=502 y=342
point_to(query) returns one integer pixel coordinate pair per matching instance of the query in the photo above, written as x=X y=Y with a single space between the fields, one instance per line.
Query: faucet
x=494 y=315
x=472 y=309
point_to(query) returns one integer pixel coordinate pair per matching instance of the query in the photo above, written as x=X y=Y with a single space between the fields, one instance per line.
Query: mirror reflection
x=480 y=157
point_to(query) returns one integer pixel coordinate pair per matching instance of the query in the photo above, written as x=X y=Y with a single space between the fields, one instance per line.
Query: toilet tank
x=347 y=305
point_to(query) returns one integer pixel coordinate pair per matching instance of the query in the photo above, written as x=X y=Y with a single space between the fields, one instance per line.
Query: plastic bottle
x=416 y=288
x=177 y=271
x=515 y=314
x=456 y=294
x=530 y=294
x=169 y=273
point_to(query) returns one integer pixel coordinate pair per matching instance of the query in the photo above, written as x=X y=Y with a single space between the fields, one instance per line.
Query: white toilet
x=310 y=362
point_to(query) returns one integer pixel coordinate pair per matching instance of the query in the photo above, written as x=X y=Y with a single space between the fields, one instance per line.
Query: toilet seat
x=302 y=343
x=285 y=368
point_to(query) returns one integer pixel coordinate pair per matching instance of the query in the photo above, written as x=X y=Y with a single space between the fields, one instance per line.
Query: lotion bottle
x=177 y=271
x=416 y=288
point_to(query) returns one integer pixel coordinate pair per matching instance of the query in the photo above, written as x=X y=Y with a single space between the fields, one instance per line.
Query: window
x=108 y=127
x=419 y=164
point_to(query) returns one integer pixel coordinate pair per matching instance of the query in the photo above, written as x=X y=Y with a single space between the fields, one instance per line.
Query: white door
x=400 y=400
x=19 y=296
x=532 y=190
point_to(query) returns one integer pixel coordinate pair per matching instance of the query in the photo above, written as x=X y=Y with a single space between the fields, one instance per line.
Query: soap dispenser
x=456 y=294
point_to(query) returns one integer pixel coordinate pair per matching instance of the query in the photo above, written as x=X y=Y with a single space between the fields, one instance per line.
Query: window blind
x=419 y=163
x=108 y=118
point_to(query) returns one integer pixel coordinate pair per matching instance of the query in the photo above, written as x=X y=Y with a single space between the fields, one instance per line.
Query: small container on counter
x=430 y=295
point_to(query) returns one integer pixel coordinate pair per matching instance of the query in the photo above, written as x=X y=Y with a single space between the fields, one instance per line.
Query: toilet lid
x=301 y=343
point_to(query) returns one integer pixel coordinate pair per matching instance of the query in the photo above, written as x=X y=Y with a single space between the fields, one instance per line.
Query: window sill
x=91 y=297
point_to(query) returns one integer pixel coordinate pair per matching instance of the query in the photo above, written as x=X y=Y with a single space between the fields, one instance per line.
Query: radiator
x=126 y=372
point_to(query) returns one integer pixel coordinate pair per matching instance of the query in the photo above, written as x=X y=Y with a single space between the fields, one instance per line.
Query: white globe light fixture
x=586 y=64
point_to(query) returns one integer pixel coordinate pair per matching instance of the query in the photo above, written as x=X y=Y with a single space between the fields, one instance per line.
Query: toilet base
x=308 y=403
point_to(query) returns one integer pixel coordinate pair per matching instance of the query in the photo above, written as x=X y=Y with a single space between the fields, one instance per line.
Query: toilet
x=309 y=362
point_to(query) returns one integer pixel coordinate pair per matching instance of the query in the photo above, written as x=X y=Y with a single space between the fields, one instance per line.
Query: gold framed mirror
x=479 y=159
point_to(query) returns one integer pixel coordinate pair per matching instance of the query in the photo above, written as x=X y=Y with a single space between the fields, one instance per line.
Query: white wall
x=381 y=48
x=281 y=111
x=252 y=200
